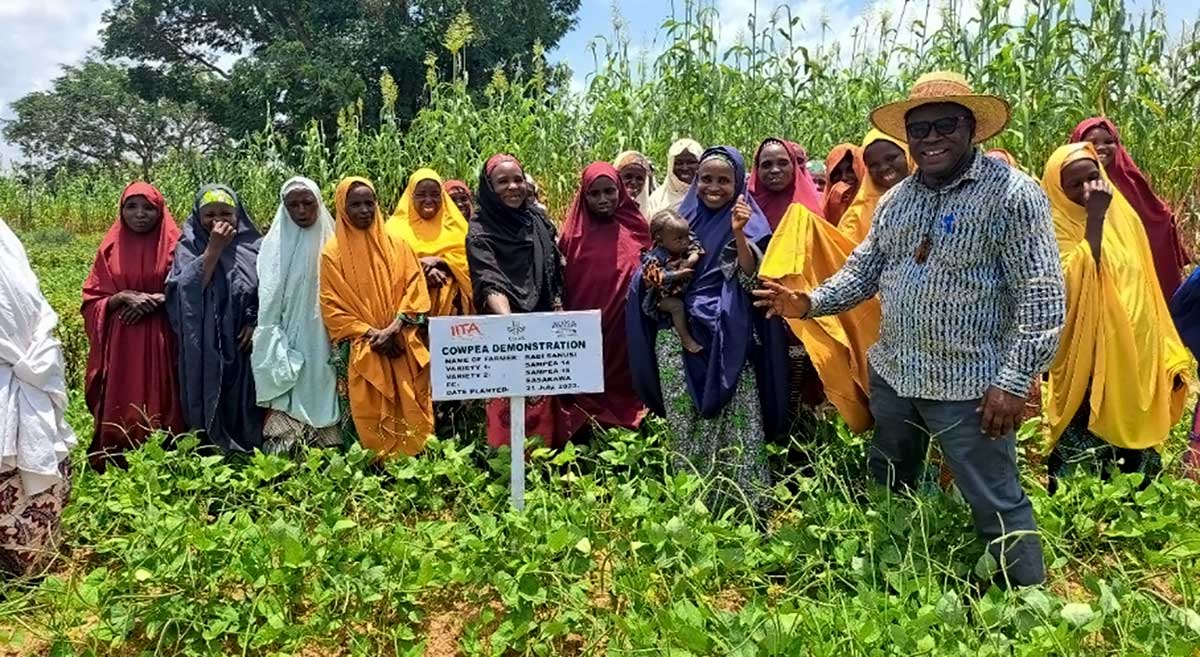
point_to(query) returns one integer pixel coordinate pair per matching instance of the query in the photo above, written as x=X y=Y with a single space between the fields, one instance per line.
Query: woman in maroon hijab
x=131 y=387
x=1165 y=246
x=781 y=178
x=602 y=239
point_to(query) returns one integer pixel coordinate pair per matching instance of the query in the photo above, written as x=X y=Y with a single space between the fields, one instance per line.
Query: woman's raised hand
x=741 y=214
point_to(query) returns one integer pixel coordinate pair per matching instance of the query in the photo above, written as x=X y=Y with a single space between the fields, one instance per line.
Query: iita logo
x=465 y=331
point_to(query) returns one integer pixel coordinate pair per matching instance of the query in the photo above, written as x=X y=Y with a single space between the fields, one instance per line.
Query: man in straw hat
x=963 y=257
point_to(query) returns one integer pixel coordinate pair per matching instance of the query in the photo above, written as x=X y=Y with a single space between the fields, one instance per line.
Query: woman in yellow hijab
x=427 y=219
x=888 y=162
x=805 y=250
x=1117 y=385
x=374 y=301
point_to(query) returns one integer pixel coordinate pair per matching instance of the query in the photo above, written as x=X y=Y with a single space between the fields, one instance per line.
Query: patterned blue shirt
x=987 y=304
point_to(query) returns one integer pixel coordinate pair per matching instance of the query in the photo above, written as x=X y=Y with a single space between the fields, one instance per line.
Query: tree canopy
x=247 y=62
x=91 y=115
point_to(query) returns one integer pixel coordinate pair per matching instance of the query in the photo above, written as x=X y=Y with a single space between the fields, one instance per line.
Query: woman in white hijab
x=293 y=374
x=683 y=160
x=35 y=440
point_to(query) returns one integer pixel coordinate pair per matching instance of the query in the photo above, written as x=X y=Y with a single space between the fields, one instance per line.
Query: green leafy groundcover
x=617 y=553
x=191 y=554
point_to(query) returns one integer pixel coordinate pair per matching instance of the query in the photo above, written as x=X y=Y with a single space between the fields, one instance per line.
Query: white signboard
x=531 y=355
x=516 y=356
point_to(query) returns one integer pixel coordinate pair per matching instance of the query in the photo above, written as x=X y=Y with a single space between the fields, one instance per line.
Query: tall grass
x=1055 y=66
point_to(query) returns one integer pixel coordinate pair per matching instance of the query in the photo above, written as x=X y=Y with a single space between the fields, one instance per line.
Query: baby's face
x=676 y=240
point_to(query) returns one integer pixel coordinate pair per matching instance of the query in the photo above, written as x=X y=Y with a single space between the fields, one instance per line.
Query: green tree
x=291 y=61
x=91 y=115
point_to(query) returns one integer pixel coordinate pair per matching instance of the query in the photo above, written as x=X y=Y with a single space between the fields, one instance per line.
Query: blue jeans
x=985 y=471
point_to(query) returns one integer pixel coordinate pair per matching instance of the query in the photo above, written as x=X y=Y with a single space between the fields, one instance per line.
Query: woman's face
x=508 y=181
x=844 y=172
x=820 y=181
x=1075 y=175
x=462 y=200
x=427 y=199
x=716 y=186
x=139 y=214
x=360 y=206
x=214 y=212
x=301 y=206
x=633 y=177
x=1105 y=143
x=601 y=197
x=886 y=163
x=685 y=167
x=775 y=167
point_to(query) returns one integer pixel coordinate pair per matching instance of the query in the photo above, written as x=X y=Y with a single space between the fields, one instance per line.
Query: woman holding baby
x=720 y=400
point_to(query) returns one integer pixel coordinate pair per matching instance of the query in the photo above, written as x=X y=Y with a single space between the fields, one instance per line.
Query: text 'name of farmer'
x=502 y=348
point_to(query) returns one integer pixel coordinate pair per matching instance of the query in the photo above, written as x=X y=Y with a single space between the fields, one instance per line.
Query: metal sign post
x=517 y=447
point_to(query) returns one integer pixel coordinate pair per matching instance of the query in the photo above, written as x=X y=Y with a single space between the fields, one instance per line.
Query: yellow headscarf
x=804 y=251
x=444 y=236
x=368 y=278
x=1118 y=335
x=856 y=223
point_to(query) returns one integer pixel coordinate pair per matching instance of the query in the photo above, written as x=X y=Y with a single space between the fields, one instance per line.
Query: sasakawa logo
x=565 y=328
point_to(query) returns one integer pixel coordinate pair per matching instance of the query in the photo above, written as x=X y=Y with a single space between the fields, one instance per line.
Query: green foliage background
x=1055 y=68
x=617 y=553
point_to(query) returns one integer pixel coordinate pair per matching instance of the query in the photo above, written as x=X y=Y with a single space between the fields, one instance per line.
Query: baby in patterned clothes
x=667 y=269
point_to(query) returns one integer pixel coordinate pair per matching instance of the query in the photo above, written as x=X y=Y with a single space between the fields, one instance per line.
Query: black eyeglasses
x=945 y=127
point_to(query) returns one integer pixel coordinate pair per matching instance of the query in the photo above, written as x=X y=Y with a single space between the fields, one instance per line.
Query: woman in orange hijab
x=844 y=173
x=375 y=302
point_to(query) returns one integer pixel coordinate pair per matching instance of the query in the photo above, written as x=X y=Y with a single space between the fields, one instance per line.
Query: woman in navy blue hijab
x=212 y=303
x=722 y=402
x=1185 y=311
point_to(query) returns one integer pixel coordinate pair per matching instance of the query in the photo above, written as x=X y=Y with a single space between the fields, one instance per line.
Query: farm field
x=617 y=552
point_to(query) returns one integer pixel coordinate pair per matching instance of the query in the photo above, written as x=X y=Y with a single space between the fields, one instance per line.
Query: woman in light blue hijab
x=293 y=375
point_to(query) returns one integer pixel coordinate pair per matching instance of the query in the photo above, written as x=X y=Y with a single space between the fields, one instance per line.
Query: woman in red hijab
x=844 y=172
x=602 y=240
x=132 y=345
x=781 y=178
x=1165 y=246
x=461 y=195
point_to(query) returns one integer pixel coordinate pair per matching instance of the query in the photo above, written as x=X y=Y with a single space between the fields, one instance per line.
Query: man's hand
x=779 y=301
x=1000 y=412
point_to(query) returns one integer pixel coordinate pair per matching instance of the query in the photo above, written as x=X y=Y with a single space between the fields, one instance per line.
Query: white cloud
x=39 y=37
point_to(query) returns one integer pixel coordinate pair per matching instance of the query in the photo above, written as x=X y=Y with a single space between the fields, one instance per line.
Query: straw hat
x=991 y=112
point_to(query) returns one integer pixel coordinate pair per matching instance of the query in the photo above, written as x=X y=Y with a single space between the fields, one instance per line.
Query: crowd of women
x=315 y=333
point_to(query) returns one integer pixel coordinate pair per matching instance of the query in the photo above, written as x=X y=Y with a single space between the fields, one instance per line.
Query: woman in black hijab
x=515 y=265
x=515 y=268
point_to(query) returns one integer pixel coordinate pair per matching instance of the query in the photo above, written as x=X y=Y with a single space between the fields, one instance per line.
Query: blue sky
x=42 y=35
x=644 y=17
